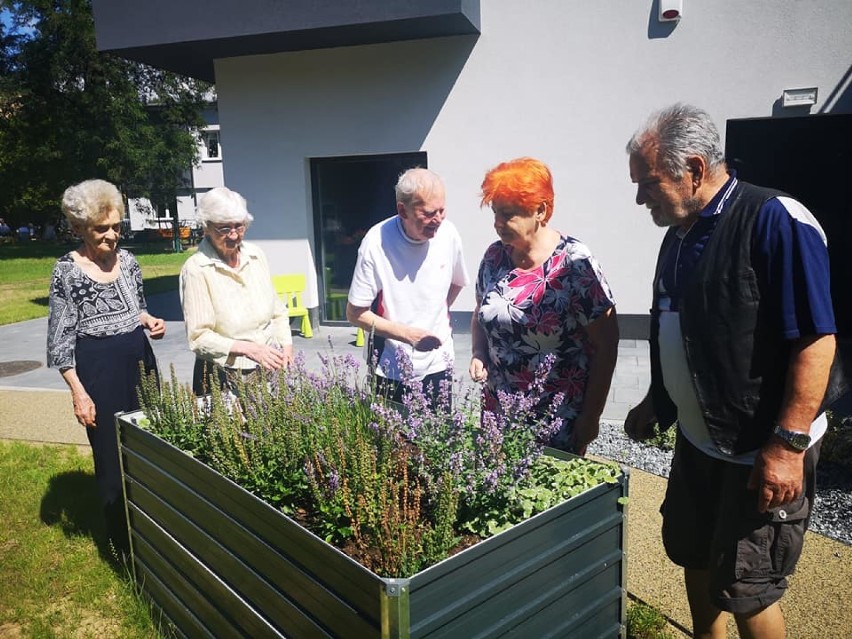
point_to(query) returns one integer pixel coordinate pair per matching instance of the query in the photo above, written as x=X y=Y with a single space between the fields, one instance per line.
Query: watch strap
x=796 y=439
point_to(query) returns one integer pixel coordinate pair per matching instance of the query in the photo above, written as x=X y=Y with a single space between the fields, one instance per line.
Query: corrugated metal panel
x=237 y=586
x=558 y=556
x=253 y=547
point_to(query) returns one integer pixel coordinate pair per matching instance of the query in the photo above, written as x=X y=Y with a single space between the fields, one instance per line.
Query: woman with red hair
x=539 y=292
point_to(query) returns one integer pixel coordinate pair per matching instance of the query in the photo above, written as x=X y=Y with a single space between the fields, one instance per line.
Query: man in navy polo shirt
x=742 y=345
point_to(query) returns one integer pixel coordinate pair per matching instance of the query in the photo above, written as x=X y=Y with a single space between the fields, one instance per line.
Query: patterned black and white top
x=80 y=306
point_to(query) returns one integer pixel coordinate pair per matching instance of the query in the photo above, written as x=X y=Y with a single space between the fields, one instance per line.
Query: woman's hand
x=288 y=355
x=84 y=409
x=270 y=357
x=156 y=326
x=478 y=371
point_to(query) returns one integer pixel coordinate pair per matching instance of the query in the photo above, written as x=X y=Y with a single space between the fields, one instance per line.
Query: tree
x=69 y=112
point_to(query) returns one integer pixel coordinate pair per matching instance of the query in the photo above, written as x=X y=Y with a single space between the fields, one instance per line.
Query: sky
x=6 y=17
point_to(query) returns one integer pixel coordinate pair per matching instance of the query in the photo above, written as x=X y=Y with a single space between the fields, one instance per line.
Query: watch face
x=800 y=440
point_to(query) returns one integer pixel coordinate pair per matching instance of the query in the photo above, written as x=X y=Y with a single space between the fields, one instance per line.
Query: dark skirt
x=108 y=368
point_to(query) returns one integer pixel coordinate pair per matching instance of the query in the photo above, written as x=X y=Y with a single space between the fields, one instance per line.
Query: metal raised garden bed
x=219 y=562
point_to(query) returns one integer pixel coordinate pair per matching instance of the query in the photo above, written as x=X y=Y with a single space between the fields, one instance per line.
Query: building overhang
x=186 y=36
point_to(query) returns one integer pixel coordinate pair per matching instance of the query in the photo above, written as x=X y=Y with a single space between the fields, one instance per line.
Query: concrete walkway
x=36 y=406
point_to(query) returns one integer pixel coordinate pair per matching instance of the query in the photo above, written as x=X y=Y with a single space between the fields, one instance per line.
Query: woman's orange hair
x=524 y=182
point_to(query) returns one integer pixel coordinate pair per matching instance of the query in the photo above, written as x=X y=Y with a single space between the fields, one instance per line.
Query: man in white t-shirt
x=409 y=271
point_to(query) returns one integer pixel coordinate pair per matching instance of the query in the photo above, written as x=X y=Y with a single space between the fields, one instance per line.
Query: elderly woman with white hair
x=96 y=335
x=235 y=322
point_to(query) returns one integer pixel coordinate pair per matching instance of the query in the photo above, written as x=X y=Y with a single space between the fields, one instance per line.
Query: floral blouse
x=526 y=315
x=81 y=306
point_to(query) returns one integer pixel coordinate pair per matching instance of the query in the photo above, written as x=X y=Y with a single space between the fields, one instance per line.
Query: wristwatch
x=799 y=441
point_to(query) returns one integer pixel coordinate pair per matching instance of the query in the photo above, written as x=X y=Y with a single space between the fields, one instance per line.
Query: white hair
x=90 y=201
x=680 y=130
x=417 y=184
x=221 y=206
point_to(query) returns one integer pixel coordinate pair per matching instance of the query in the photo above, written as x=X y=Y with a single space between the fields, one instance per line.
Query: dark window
x=211 y=140
x=350 y=194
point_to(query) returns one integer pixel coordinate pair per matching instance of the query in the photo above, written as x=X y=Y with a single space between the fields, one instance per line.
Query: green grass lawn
x=25 y=274
x=55 y=581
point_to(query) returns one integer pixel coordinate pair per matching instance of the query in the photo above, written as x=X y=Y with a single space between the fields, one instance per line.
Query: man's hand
x=585 y=431
x=778 y=475
x=422 y=340
x=641 y=420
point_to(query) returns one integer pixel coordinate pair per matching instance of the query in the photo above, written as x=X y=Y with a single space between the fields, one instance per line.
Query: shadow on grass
x=71 y=502
x=161 y=284
x=34 y=250
x=57 y=249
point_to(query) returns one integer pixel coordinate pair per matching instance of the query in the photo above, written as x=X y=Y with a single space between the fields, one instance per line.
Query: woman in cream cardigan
x=235 y=322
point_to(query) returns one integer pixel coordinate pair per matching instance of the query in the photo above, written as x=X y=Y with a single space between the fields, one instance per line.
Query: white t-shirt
x=411 y=280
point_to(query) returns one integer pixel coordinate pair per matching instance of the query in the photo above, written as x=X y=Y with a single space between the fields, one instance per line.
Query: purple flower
x=333 y=482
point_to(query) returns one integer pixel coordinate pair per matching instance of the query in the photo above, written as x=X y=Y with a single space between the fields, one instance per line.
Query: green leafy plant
x=397 y=487
x=837 y=442
x=664 y=439
x=645 y=622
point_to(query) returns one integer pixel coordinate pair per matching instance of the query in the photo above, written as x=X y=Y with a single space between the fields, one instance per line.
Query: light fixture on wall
x=670 y=10
x=799 y=97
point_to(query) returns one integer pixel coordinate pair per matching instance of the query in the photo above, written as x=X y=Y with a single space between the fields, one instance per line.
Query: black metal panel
x=187 y=36
x=809 y=158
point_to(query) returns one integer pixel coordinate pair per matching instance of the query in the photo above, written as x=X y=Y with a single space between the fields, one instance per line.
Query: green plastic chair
x=290 y=287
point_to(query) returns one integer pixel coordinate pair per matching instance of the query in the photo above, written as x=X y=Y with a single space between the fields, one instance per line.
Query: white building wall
x=567 y=82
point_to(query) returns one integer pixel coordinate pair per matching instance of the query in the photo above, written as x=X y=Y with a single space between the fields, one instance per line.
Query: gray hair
x=680 y=131
x=220 y=206
x=90 y=201
x=417 y=183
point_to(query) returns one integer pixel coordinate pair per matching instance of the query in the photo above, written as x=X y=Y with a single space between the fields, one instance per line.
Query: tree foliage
x=69 y=112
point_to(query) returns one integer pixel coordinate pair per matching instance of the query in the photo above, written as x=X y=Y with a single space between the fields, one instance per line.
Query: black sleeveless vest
x=738 y=357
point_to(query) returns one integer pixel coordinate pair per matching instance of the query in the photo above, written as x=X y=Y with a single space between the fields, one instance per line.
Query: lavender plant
x=393 y=486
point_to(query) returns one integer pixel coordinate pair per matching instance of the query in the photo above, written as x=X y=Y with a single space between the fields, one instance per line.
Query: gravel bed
x=832 y=515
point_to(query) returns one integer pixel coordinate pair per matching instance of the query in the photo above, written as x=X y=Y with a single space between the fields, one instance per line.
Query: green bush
x=645 y=622
x=837 y=442
x=663 y=439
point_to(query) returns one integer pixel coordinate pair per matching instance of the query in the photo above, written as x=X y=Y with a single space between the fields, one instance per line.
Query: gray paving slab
x=25 y=341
